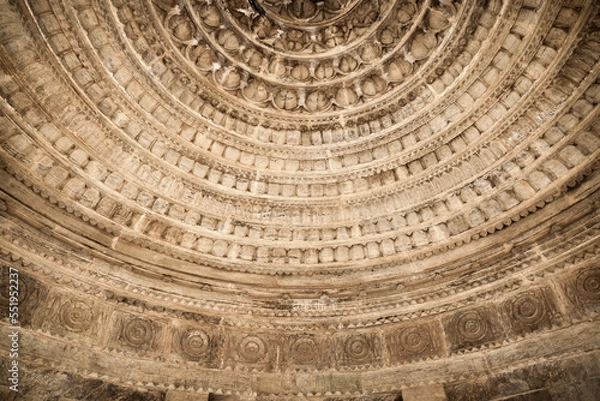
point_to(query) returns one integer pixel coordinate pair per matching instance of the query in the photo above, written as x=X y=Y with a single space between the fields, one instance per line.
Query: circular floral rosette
x=252 y=349
x=195 y=343
x=528 y=309
x=471 y=326
x=588 y=284
x=138 y=332
x=76 y=316
x=415 y=340
x=358 y=348
x=305 y=351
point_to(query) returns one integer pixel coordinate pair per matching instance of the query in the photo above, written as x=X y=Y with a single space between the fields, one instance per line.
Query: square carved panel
x=303 y=351
x=411 y=342
x=472 y=328
x=197 y=343
x=583 y=288
x=359 y=349
x=66 y=315
x=255 y=349
x=530 y=311
x=137 y=333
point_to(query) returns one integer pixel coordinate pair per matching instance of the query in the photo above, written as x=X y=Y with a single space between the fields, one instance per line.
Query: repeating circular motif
x=588 y=284
x=471 y=326
x=257 y=49
x=252 y=349
x=358 y=348
x=138 y=332
x=305 y=351
x=229 y=155
x=528 y=309
x=415 y=340
x=76 y=316
x=195 y=343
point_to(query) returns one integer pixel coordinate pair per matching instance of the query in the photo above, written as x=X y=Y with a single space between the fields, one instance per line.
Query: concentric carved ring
x=76 y=316
x=138 y=332
x=257 y=49
x=528 y=309
x=305 y=351
x=252 y=349
x=195 y=343
x=471 y=326
x=588 y=284
x=415 y=340
x=358 y=348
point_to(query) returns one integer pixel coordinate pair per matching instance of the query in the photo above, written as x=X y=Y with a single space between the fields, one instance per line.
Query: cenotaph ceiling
x=301 y=199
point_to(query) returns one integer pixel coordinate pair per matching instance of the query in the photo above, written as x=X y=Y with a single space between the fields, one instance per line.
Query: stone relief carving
x=472 y=328
x=583 y=289
x=415 y=340
x=306 y=351
x=530 y=311
x=408 y=343
x=358 y=349
x=194 y=25
x=76 y=316
x=308 y=10
x=55 y=159
x=588 y=284
x=252 y=349
x=195 y=343
x=199 y=344
x=70 y=316
x=139 y=334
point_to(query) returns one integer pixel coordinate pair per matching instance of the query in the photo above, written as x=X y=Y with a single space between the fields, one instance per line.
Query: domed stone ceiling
x=268 y=198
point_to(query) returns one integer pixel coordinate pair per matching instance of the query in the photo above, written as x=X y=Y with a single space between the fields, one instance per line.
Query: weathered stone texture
x=243 y=200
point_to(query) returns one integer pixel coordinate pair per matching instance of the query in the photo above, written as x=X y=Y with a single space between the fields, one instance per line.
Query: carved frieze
x=275 y=44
